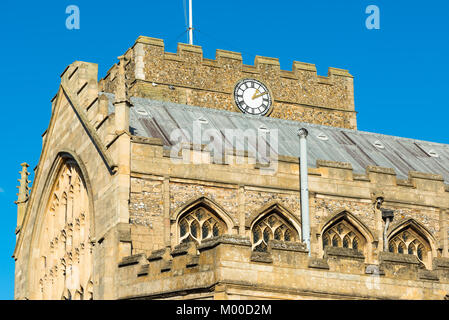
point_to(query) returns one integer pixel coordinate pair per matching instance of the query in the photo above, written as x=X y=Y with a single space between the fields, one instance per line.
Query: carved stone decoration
x=65 y=268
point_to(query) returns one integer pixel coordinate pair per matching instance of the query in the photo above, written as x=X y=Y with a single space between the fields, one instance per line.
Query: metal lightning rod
x=190 y=23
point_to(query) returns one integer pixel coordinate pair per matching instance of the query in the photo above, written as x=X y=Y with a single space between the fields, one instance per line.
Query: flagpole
x=190 y=23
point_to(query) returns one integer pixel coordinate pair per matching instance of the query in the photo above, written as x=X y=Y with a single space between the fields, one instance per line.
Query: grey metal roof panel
x=151 y=118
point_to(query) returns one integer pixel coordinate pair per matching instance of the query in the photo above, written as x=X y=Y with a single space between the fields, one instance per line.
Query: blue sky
x=401 y=71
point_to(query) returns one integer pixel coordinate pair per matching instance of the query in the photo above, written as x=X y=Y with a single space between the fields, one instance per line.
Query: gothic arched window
x=269 y=228
x=343 y=234
x=200 y=224
x=65 y=249
x=409 y=241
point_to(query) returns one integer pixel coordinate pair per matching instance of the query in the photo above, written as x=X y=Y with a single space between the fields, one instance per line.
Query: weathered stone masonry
x=137 y=196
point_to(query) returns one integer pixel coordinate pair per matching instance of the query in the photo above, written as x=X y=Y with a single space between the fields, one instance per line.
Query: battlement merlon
x=187 y=77
x=198 y=270
x=185 y=49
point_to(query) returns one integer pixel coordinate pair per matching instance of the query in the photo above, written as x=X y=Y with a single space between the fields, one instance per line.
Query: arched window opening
x=346 y=242
x=272 y=227
x=401 y=248
x=62 y=265
x=335 y=241
x=200 y=224
x=355 y=243
x=343 y=235
x=409 y=241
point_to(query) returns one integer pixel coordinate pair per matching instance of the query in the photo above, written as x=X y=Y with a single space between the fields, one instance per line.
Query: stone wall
x=137 y=192
x=188 y=78
x=226 y=268
x=81 y=130
x=243 y=194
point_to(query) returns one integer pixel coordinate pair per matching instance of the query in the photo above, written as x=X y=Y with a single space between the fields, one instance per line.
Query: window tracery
x=344 y=235
x=199 y=225
x=65 y=260
x=409 y=242
x=269 y=228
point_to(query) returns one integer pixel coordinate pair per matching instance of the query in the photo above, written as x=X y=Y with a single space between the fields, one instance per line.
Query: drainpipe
x=387 y=216
x=302 y=133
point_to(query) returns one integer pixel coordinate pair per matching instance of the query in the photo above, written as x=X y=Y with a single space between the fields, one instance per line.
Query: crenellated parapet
x=285 y=268
x=376 y=175
x=188 y=77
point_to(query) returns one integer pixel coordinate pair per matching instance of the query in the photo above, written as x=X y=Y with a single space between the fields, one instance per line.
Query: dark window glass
x=278 y=234
x=420 y=252
x=256 y=234
x=183 y=228
x=355 y=244
x=199 y=215
x=339 y=228
x=405 y=236
x=271 y=221
x=266 y=235
x=335 y=241
x=194 y=229
x=216 y=230
x=288 y=235
x=391 y=247
x=205 y=230
x=345 y=242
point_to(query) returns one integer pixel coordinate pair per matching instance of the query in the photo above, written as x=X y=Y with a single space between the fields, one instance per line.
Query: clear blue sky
x=401 y=71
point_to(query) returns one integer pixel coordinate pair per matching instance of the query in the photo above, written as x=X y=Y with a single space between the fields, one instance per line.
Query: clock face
x=252 y=97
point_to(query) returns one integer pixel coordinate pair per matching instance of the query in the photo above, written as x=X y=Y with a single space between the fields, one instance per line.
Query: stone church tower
x=179 y=177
